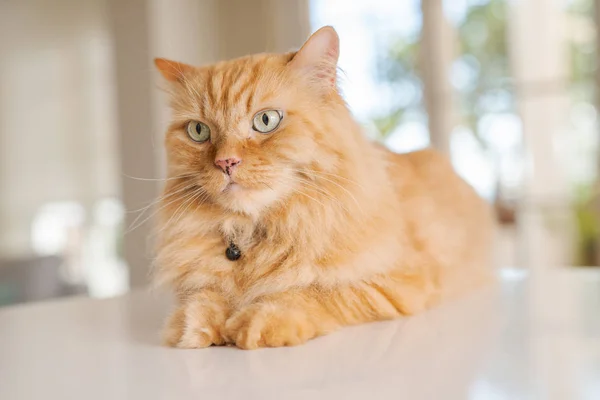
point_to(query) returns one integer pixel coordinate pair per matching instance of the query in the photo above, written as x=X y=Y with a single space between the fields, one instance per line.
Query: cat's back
x=429 y=173
x=425 y=164
x=452 y=222
x=425 y=179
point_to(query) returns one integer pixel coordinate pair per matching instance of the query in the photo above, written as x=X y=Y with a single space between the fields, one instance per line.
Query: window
x=507 y=88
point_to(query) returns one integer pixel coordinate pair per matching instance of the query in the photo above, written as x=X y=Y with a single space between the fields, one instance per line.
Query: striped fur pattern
x=334 y=230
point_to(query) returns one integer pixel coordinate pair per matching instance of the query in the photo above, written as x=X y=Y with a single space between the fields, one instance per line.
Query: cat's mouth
x=245 y=196
x=232 y=186
x=238 y=188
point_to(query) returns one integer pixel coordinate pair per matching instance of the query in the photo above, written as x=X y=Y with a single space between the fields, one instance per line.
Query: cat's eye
x=267 y=121
x=198 y=131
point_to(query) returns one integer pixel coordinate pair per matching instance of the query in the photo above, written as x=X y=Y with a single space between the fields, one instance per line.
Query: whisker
x=131 y=227
x=162 y=198
x=185 y=199
x=296 y=190
x=345 y=190
x=183 y=207
x=323 y=191
x=193 y=200
x=158 y=179
x=320 y=173
x=329 y=196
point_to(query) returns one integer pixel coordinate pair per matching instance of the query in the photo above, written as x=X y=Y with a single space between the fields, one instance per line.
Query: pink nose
x=227 y=164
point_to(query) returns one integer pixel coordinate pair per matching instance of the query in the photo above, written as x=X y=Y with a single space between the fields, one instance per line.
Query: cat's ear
x=172 y=71
x=319 y=55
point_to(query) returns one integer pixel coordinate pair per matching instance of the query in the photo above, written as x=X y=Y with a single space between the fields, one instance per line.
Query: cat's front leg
x=198 y=321
x=293 y=317
x=282 y=319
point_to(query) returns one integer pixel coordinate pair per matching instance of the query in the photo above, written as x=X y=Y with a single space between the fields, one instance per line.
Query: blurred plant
x=582 y=50
x=583 y=64
x=398 y=67
x=588 y=229
x=482 y=80
x=480 y=74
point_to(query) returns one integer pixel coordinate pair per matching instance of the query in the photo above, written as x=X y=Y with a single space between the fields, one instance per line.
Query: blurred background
x=506 y=88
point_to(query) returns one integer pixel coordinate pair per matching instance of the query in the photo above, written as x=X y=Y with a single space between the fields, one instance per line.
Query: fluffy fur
x=334 y=229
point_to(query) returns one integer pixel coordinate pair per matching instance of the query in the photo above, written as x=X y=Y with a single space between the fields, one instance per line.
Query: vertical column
x=129 y=24
x=291 y=26
x=437 y=53
x=539 y=63
x=255 y=26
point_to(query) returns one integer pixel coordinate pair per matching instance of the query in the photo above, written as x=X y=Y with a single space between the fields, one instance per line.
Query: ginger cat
x=281 y=222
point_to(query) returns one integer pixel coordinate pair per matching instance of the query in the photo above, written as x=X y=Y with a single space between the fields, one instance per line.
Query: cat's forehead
x=258 y=61
x=243 y=81
x=232 y=90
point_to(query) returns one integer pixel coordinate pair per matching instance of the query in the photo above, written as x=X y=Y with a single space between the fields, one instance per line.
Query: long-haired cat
x=281 y=221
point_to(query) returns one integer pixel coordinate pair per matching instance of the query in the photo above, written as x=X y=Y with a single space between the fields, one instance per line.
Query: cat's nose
x=227 y=164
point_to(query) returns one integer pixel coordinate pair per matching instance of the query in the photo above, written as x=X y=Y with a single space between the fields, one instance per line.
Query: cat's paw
x=268 y=325
x=199 y=335
x=195 y=326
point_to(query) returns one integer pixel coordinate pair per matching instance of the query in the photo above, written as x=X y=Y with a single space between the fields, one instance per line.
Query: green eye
x=267 y=121
x=198 y=131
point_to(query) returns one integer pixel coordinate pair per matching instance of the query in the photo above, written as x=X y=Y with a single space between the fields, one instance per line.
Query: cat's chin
x=234 y=188
x=236 y=197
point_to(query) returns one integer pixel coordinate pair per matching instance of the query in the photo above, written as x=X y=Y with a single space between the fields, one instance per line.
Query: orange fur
x=334 y=230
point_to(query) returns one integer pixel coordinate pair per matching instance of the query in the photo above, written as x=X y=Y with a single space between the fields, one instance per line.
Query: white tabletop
x=532 y=338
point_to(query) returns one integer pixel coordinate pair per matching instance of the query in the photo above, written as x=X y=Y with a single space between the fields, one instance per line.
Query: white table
x=535 y=337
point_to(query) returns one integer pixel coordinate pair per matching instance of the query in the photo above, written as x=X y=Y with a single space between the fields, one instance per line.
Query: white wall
x=57 y=128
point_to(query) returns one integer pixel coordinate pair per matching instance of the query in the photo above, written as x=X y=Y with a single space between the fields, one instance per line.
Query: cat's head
x=247 y=130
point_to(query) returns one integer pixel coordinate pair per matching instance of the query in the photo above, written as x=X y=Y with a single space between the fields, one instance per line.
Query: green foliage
x=582 y=53
x=482 y=79
x=588 y=229
x=399 y=69
x=483 y=48
x=583 y=64
x=482 y=59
